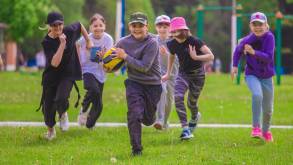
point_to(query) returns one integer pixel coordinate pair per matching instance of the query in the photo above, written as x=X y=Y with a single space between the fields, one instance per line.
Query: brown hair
x=97 y=17
x=184 y=33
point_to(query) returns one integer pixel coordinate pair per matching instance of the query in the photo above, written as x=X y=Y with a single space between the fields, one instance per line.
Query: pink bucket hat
x=178 y=23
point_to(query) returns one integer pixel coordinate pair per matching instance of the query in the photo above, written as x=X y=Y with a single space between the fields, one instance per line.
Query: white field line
x=38 y=124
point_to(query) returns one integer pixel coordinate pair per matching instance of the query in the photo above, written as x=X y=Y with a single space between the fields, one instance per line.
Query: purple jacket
x=261 y=64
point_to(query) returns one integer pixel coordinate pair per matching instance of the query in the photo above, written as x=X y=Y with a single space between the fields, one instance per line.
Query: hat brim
x=57 y=21
x=258 y=20
x=138 y=21
x=163 y=22
x=179 y=28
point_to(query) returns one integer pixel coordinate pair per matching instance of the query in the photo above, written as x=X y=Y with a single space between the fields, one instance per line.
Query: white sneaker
x=50 y=135
x=82 y=118
x=166 y=126
x=64 y=122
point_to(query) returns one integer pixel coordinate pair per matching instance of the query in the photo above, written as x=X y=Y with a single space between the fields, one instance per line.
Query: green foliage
x=104 y=7
x=108 y=10
x=32 y=43
x=71 y=10
x=144 y=6
x=22 y=17
x=269 y=8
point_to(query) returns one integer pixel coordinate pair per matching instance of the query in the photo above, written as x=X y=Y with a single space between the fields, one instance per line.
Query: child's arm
x=267 y=54
x=77 y=45
x=1 y=62
x=207 y=56
x=147 y=60
x=169 y=68
x=59 y=54
x=239 y=50
x=236 y=58
x=84 y=33
x=164 y=51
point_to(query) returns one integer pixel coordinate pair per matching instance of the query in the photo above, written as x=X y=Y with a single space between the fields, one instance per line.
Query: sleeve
x=118 y=43
x=74 y=30
x=82 y=50
x=267 y=54
x=237 y=54
x=198 y=43
x=81 y=41
x=150 y=53
x=109 y=42
x=240 y=47
x=170 y=47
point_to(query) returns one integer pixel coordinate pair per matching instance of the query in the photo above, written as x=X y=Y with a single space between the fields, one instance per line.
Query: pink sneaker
x=256 y=132
x=267 y=136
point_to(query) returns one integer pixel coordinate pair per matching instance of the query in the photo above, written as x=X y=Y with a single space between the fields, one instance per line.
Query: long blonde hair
x=45 y=27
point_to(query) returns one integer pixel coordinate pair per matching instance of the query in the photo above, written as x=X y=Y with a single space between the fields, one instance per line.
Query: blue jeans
x=262 y=91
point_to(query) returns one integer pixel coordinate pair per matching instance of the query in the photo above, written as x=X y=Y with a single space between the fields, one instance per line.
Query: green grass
x=24 y=145
x=220 y=102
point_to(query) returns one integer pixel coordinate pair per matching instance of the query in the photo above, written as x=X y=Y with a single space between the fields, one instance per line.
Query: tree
x=22 y=17
x=72 y=11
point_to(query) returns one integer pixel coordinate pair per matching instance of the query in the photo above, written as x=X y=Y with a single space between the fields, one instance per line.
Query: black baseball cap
x=54 y=17
x=138 y=17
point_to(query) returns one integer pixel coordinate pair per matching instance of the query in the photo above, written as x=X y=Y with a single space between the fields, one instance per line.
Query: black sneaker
x=186 y=134
x=136 y=153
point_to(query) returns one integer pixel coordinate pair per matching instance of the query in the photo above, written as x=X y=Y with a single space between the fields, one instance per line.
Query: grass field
x=221 y=102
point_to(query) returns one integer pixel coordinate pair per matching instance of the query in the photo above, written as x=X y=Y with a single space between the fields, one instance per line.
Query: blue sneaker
x=186 y=134
x=193 y=123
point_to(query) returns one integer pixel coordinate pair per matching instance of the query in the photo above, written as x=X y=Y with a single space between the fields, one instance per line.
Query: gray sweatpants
x=142 y=103
x=164 y=106
x=93 y=97
x=194 y=83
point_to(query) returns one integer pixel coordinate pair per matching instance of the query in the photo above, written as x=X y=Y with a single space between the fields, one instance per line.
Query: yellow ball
x=110 y=62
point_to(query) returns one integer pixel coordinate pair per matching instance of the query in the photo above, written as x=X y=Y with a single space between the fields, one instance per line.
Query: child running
x=61 y=71
x=258 y=48
x=191 y=53
x=165 y=104
x=140 y=50
x=93 y=72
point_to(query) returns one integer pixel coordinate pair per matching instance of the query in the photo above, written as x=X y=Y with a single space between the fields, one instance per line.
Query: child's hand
x=62 y=38
x=248 y=49
x=101 y=52
x=163 y=51
x=120 y=53
x=165 y=77
x=234 y=72
x=106 y=69
x=192 y=52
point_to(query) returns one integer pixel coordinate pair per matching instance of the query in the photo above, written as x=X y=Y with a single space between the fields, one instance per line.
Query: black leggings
x=55 y=98
x=93 y=96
